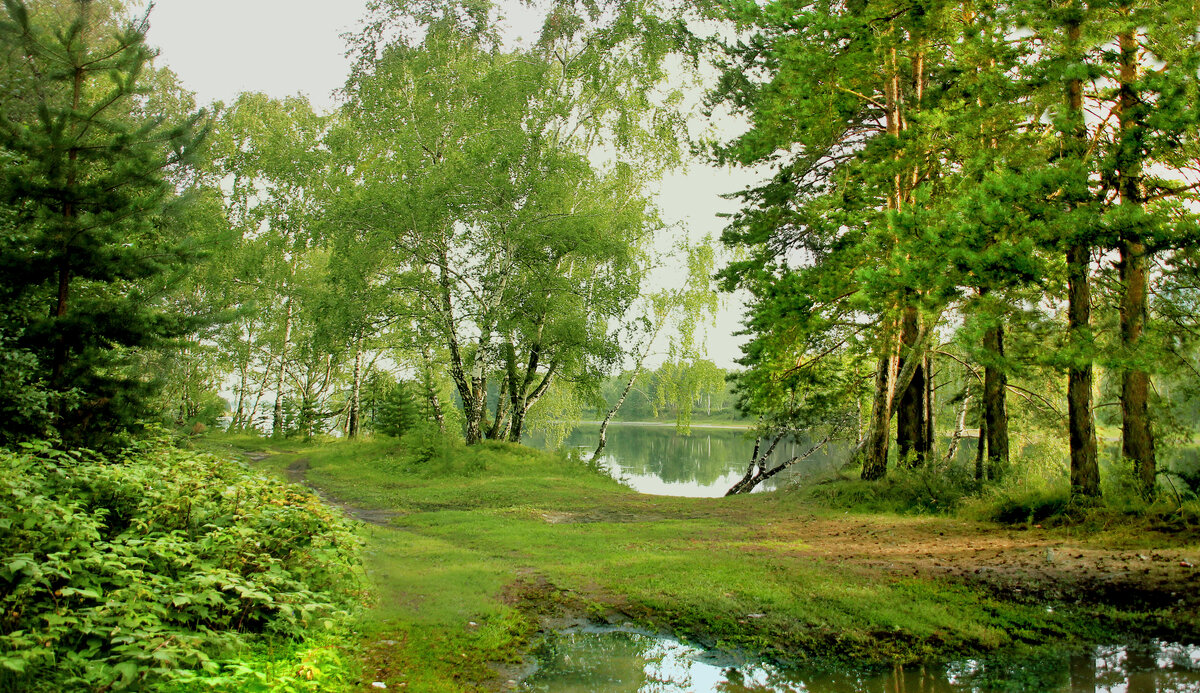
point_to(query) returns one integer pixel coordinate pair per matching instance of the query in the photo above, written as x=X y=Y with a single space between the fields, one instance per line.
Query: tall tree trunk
x=887 y=381
x=503 y=408
x=875 y=452
x=475 y=406
x=239 y=410
x=930 y=440
x=240 y=419
x=532 y=398
x=1137 y=436
x=468 y=389
x=352 y=422
x=911 y=446
x=960 y=423
x=59 y=364
x=435 y=404
x=1085 y=469
x=258 y=396
x=979 y=449
x=277 y=421
x=995 y=407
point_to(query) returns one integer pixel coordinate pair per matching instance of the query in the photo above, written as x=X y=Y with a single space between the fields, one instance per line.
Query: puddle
x=608 y=660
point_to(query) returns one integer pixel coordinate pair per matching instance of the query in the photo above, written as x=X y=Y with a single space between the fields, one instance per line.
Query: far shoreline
x=733 y=426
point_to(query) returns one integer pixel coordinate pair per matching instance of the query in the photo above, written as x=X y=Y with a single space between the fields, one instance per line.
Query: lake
x=655 y=459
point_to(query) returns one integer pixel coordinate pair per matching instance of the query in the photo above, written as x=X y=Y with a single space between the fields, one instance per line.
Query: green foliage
x=92 y=165
x=161 y=565
x=399 y=410
x=920 y=491
x=433 y=453
x=26 y=404
x=1026 y=505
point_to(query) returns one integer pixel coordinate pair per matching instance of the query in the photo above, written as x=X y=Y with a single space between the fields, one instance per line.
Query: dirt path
x=297 y=472
x=1016 y=564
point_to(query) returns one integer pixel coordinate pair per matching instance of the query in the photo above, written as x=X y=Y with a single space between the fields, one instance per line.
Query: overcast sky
x=220 y=48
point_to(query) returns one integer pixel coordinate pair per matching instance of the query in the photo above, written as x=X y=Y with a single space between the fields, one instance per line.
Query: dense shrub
x=160 y=566
x=1017 y=505
x=433 y=453
x=930 y=490
x=399 y=410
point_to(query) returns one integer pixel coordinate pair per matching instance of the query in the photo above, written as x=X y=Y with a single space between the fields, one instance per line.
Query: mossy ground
x=473 y=548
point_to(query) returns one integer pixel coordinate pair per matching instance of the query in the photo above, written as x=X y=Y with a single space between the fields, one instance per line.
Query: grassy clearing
x=485 y=541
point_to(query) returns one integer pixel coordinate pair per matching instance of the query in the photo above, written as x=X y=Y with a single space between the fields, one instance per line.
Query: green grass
x=485 y=540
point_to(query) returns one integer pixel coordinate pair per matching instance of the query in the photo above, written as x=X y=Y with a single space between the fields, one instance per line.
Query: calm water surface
x=605 y=660
x=655 y=459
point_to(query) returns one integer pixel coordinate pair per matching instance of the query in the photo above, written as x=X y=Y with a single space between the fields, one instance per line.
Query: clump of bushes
x=936 y=489
x=1030 y=505
x=159 y=567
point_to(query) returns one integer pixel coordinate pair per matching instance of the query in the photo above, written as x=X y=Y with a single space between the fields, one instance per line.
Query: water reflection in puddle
x=617 y=661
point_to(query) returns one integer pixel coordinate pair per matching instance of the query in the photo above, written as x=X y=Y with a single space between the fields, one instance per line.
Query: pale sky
x=220 y=48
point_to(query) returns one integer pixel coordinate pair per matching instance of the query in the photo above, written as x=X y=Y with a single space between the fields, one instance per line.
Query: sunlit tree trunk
x=472 y=390
x=1137 y=437
x=960 y=423
x=980 y=473
x=875 y=452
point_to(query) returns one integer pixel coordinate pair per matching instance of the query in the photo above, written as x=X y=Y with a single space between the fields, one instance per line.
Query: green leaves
x=119 y=587
x=92 y=163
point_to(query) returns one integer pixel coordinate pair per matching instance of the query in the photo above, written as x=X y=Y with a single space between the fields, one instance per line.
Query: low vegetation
x=165 y=569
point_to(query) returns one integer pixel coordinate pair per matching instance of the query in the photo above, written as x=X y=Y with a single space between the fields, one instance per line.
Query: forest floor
x=475 y=552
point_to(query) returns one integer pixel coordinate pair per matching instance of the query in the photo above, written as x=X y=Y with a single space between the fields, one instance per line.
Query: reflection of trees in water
x=617 y=661
x=589 y=662
x=709 y=456
x=705 y=457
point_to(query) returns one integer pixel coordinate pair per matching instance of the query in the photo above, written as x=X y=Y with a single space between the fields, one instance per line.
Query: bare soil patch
x=1034 y=564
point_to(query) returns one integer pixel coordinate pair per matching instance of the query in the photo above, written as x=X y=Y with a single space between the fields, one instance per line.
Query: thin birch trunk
x=352 y=419
x=277 y=421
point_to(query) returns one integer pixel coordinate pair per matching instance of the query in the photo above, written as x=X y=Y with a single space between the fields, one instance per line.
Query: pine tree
x=86 y=182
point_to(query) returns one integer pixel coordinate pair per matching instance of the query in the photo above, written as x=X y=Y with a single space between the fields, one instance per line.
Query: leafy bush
x=159 y=566
x=429 y=451
x=930 y=490
x=1017 y=505
x=26 y=404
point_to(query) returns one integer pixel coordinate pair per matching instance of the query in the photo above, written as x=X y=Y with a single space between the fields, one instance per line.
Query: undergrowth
x=165 y=568
x=1034 y=492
